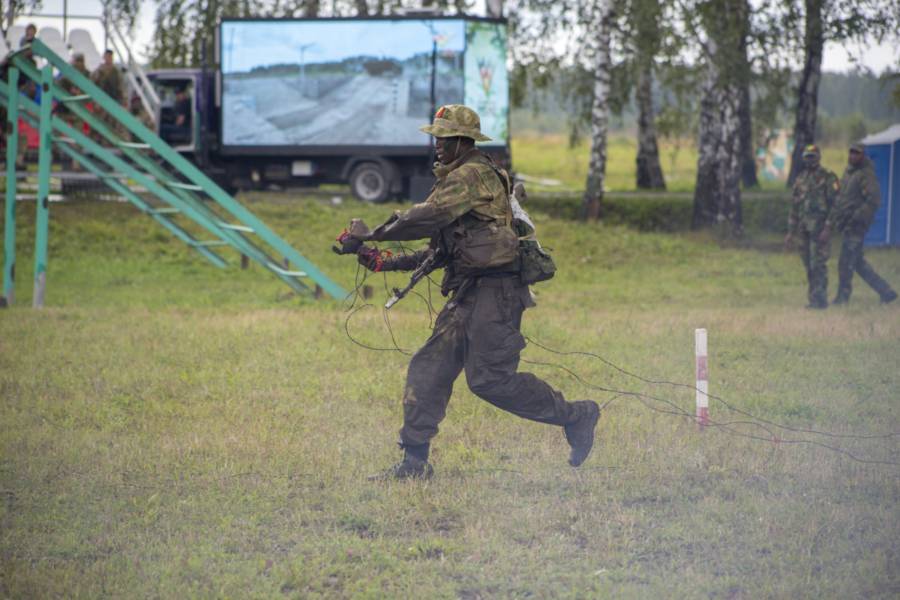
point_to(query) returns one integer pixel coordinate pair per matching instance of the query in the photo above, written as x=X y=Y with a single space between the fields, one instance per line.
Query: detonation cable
x=719 y=399
x=675 y=410
x=726 y=426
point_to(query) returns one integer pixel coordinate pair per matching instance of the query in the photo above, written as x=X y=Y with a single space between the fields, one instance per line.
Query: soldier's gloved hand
x=825 y=235
x=374 y=260
x=351 y=239
x=346 y=244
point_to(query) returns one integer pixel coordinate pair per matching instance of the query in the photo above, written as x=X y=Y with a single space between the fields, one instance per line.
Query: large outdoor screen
x=357 y=82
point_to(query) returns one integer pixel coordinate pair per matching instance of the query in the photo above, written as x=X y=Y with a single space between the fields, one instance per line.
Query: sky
x=876 y=57
x=250 y=44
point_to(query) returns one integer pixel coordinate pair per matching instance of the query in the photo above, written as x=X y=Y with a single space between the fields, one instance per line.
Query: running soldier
x=468 y=218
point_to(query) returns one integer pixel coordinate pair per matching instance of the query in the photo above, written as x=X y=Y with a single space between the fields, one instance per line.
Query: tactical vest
x=483 y=239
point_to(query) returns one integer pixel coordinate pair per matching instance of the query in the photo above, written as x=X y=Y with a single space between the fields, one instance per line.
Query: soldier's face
x=446 y=149
x=811 y=161
x=855 y=157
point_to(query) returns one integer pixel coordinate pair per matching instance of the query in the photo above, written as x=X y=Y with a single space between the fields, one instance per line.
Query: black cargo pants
x=478 y=332
x=853 y=260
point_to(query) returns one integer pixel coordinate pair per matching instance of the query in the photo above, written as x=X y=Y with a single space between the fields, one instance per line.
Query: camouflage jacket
x=467 y=216
x=812 y=199
x=858 y=200
x=70 y=88
x=109 y=80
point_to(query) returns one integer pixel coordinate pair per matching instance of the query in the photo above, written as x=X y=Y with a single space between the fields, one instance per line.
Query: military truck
x=304 y=102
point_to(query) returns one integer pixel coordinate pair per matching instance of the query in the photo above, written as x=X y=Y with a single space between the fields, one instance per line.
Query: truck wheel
x=369 y=183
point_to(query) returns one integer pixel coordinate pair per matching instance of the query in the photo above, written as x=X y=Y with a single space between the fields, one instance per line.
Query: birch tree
x=808 y=90
x=593 y=187
x=830 y=20
x=647 y=40
x=717 y=193
x=577 y=35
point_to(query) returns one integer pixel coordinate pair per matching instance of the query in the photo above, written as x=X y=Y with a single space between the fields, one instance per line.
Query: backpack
x=535 y=263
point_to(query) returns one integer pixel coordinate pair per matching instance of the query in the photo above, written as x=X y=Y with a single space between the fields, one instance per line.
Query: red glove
x=374 y=259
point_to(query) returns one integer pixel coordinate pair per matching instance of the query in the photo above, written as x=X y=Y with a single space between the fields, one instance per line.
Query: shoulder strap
x=507 y=187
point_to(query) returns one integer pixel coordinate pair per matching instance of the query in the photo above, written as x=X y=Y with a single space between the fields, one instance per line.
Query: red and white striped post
x=702 y=377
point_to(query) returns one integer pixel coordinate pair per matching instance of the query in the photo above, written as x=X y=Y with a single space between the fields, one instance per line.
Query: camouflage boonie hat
x=811 y=150
x=857 y=147
x=453 y=120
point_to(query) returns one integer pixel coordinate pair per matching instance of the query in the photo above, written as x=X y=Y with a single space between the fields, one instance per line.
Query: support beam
x=12 y=148
x=138 y=202
x=45 y=157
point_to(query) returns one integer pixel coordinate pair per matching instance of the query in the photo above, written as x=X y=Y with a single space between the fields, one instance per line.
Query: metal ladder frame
x=181 y=197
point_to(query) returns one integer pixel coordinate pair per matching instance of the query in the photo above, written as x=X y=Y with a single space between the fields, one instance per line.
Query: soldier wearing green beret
x=468 y=219
x=811 y=203
x=853 y=214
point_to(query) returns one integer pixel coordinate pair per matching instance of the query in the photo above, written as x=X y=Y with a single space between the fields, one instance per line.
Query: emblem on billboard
x=486 y=71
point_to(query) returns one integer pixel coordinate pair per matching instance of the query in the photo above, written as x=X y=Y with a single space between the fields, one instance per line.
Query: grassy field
x=549 y=156
x=171 y=430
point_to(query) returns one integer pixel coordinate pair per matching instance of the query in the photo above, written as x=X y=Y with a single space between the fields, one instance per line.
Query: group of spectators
x=107 y=77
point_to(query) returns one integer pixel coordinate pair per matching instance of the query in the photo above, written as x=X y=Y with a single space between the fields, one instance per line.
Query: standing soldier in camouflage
x=108 y=79
x=811 y=203
x=468 y=218
x=853 y=214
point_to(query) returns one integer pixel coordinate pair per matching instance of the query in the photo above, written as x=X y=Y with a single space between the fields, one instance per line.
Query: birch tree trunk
x=705 y=203
x=808 y=92
x=717 y=194
x=593 y=189
x=748 y=153
x=728 y=157
x=649 y=172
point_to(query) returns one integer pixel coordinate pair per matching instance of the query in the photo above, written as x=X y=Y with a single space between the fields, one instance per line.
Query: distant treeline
x=841 y=95
x=850 y=106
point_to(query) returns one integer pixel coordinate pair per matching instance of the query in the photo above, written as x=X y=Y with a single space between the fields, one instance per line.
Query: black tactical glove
x=351 y=239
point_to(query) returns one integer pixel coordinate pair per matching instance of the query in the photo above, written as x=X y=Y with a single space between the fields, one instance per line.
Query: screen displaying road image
x=354 y=82
x=357 y=82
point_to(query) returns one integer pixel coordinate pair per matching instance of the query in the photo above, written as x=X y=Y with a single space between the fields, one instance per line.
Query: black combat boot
x=414 y=465
x=580 y=434
x=817 y=305
x=889 y=297
x=841 y=299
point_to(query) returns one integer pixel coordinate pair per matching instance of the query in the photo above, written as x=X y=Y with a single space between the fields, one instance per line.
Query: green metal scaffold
x=180 y=187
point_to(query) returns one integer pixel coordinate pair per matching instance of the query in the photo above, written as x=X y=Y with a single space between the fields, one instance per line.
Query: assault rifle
x=431 y=262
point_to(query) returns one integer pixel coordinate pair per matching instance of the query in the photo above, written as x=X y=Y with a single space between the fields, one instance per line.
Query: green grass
x=549 y=156
x=170 y=430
